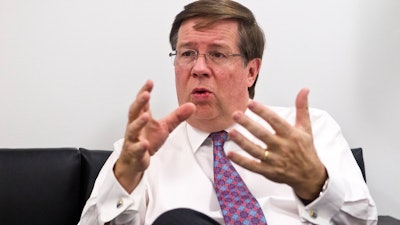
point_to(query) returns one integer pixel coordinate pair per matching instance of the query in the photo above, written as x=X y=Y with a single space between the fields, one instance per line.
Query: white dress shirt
x=180 y=175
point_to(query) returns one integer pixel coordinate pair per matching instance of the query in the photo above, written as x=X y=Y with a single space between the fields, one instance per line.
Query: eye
x=188 y=53
x=218 y=55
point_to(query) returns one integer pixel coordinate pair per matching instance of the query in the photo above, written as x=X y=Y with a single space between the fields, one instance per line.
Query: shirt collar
x=197 y=137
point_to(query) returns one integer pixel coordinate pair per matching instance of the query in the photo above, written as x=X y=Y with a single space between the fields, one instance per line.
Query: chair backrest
x=92 y=162
x=40 y=186
x=50 y=186
x=358 y=155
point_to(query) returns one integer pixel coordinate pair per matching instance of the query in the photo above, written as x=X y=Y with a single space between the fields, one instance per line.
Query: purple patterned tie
x=238 y=205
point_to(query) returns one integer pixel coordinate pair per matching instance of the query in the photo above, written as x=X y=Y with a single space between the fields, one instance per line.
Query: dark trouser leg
x=184 y=217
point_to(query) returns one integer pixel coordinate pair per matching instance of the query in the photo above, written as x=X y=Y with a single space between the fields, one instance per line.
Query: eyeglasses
x=189 y=56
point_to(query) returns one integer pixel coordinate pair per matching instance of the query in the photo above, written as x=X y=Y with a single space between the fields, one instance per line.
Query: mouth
x=201 y=91
x=201 y=94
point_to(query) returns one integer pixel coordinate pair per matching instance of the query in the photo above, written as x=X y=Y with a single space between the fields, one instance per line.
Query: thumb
x=179 y=115
x=302 y=112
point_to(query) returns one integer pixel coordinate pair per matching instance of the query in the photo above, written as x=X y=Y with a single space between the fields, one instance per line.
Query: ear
x=253 y=68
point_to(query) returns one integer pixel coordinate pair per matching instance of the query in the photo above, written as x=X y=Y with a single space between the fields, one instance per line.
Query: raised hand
x=292 y=158
x=144 y=136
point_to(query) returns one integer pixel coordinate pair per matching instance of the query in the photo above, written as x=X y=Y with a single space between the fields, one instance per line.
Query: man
x=293 y=164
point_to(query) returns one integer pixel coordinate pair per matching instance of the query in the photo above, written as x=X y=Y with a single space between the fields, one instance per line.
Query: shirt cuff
x=322 y=209
x=114 y=201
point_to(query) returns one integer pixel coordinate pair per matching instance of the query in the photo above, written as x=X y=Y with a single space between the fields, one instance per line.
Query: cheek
x=178 y=77
x=237 y=84
x=235 y=81
x=180 y=85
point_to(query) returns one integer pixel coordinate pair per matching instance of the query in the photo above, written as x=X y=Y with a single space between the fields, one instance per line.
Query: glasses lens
x=218 y=58
x=188 y=56
x=185 y=57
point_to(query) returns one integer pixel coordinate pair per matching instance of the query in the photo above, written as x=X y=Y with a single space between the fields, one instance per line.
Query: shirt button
x=120 y=203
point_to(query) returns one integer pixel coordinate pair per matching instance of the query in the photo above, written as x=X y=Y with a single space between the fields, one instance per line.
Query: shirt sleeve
x=109 y=202
x=346 y=199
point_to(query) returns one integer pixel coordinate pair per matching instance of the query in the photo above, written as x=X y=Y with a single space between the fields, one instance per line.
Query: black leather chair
x=50 y=186
x=91 y=163
x=358 y=155
x=46 y=186
x=382 y=219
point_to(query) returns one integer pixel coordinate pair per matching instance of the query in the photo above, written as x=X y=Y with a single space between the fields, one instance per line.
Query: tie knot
x=219 y=137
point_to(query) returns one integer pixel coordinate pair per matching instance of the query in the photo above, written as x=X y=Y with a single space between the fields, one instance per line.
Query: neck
x=211 y=125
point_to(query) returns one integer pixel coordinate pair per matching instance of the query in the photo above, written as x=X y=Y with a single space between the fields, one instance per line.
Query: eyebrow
x=191 y=45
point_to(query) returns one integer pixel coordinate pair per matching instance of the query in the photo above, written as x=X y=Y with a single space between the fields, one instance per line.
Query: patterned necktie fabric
x=238 y=205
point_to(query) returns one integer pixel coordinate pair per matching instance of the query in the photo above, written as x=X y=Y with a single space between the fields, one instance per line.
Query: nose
x=200 y=66
x=203 y=57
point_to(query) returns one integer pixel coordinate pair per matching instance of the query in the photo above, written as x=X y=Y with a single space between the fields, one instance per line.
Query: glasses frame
x=207 y=55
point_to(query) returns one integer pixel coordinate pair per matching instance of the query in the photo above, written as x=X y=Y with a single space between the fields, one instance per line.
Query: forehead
x=223 y=33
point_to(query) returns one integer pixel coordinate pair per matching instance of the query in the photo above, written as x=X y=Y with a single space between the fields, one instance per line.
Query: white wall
x=69 y=70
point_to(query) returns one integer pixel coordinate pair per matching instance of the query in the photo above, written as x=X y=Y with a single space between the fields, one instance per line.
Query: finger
x=134 y=150
x=134 y=128
x=253 y=127
x=179 y=115
x=302 y=112
x=249 y=164
x=281 y=126
x=253 y=149
x=141 y=102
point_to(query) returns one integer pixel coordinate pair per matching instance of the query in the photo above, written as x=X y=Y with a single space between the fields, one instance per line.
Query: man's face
x=217 y=90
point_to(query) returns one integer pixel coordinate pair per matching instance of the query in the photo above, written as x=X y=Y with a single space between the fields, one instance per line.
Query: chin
x=205 y=112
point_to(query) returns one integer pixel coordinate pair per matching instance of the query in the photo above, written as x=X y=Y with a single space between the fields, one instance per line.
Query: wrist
x=126 y=177
x=324 y=187
x=314 y=188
